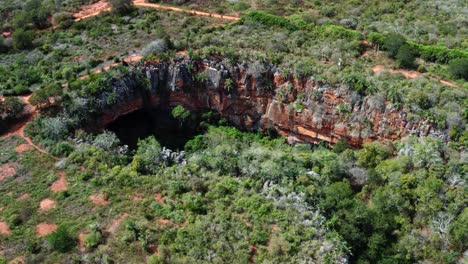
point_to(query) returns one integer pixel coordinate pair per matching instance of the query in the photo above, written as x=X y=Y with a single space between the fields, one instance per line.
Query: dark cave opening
x=140 y=124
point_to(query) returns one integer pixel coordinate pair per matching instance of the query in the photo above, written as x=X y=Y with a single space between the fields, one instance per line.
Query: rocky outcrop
x=255 y=96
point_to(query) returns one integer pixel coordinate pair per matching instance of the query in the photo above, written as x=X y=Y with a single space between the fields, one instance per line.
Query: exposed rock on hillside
x=256 y=96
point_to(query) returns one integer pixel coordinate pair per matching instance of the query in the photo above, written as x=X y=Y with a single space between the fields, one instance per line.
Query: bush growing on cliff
x=156 y=46
x=180 y=113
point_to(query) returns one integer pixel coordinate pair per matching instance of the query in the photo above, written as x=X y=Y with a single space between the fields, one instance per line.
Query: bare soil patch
x=116 y=223
x=6 y=34
x=18 y=260
x=23 y=197
x=159 y=198
x=4 y=229
x=47 y=204
x=81 y=240
x=44 y=229
x=164 y=221
x=60 y=184
x=23 y=148
x=98 y=199
x=7 y=170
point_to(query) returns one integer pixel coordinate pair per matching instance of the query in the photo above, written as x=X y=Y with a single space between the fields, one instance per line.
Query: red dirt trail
x=176 y=9
x=87 y=11
x=91 y=10
x=409 y=74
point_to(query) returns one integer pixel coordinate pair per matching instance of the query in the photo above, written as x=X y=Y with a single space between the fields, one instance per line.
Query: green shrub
x=392 y=43
x=240 y=6
x=333 y=31
x=376 y=38
x=61 y=240
x=62 y=149
x=437 y=53
x=93 y=240
x=268 y=20
x=180 y=113
x=406 y=57
x=359 y=83
x=23 y=39
x=459 y=68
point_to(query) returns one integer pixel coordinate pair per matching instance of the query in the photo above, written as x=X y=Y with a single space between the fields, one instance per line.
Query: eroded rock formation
x=256 y=96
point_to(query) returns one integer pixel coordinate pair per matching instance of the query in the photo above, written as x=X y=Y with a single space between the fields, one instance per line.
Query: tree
x=376 y=39
x=459 y=68
x=23 y=39
x=180 y=113
x=392 y=43
x=61 y=240
x=405 y=57
x=148 y=156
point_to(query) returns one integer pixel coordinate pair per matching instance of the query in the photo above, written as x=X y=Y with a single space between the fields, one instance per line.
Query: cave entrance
x=143 y=123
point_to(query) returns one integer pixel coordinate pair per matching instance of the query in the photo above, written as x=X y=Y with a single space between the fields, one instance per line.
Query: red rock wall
x=254 y=103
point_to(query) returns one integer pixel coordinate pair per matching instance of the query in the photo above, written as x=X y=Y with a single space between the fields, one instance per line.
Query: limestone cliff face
x=255 y=96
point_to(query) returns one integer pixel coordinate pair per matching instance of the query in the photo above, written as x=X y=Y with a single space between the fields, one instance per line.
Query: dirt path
x=410 y=74
x=95 y=9
x=176 y=9
x=18 y=129
x=91 y=10
x=108 y=65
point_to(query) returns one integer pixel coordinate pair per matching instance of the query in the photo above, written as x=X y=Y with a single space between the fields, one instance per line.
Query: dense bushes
x=23 y=38
x=296 y=23
x=61 y=239
x=10 y=109
x=393 y=42
x=268 y=20
x=438 y=53
x=405 y=57
x=459 y=68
